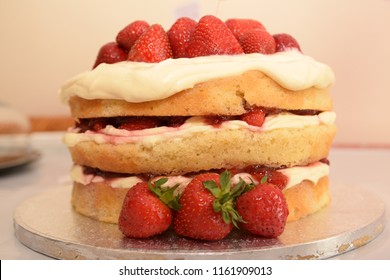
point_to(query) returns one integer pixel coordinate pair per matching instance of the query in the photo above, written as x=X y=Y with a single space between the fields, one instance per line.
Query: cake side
x=207 y=150
x=223 y=96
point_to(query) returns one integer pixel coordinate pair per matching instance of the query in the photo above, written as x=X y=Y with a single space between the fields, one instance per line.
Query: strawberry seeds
x=141 y=42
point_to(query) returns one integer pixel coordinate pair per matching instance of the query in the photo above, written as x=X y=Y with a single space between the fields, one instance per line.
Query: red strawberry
x=254 y=117
x=257 y=41
x=93 y=124
x=179 y=35
x=285 y=42
x=176 y=121
x=143 y=213
x=278 y=179
x=264 y=210
x=152 y=46
x=139 y=123
x=128 y=35
x=271 y=176
x=212 y=37
x=206 y=211
x=239 y=26
x=110 y=53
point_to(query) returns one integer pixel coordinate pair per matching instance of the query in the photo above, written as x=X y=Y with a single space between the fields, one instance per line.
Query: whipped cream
x=193 y=125
x=139 y=82
x=295 y=175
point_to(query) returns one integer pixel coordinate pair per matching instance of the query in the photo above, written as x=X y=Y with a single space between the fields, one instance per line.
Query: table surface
x=356 y=167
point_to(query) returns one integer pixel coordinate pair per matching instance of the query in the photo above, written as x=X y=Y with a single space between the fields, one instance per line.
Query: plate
x=20 y=161
x=47 y=223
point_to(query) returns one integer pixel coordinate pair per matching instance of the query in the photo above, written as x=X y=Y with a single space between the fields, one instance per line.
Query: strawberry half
x=98 y=124
x=254 y=117
x=240 y=26
x=258 y=41
x=179 y=36
x=212 y=37
x=110 y=53
x=147 y=210
x=264 y=210
x=128 y=35
x=285 y=42
x=152 y=46
x=207 y=207
x=139 y=123
x=274 y=177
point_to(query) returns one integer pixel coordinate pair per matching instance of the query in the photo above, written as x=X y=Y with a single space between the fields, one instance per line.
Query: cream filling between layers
x=193 y=125
x=139 y=82
x=295 y=175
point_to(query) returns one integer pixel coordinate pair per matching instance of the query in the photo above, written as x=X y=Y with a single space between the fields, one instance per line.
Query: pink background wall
x=43 y=43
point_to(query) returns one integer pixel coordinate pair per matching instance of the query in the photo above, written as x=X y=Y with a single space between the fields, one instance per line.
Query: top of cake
x=148 y=63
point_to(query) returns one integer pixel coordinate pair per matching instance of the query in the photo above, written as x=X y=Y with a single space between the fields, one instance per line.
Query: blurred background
x=46 y=42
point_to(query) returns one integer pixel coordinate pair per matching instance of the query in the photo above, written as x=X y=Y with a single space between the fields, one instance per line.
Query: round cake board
x=48 y=224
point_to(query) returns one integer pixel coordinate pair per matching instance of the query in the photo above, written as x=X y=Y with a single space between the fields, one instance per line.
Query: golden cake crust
x=225 y=96
x=210 y=150
x=103 y=203
x=98 y=200
x=307 y=198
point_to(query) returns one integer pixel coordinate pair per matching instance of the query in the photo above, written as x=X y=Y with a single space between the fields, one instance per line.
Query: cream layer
x=295 y=175
x=139 y=82
x=193 y=125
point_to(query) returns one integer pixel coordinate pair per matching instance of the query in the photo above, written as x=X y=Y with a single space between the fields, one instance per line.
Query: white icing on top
x=140 y=82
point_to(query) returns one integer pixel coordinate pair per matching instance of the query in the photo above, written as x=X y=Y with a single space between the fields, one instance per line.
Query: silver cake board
x=47 y=224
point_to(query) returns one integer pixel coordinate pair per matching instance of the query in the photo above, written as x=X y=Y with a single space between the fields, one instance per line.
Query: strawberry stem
x=165 y=193
x=264 y=179
x=226 y=195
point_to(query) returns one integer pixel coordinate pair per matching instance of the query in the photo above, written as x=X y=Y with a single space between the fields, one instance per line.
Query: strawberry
x=139 y=123
x=94 y=124
x=271 y=176
x=254 y=117
x=98 y=124
x=128 y=35
x=147 y=210
x=257 y=41
x=152 y=46
x=212 y=37
x=216 y=120
x=206 y=211
x=110 y=53
x=285 y=42
x=264 y=210
x=179 y=35
x=176 y=121
x=240 y=26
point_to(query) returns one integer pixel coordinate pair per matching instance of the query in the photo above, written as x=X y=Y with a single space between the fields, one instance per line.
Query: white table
x=358 y=167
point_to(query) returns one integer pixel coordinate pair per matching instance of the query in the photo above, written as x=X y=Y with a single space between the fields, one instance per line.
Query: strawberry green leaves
x=165 y=194
x=226 y=195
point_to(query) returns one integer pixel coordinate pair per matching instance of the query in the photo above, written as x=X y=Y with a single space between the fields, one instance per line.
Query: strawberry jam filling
x=254 y=116
x=257 y=173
